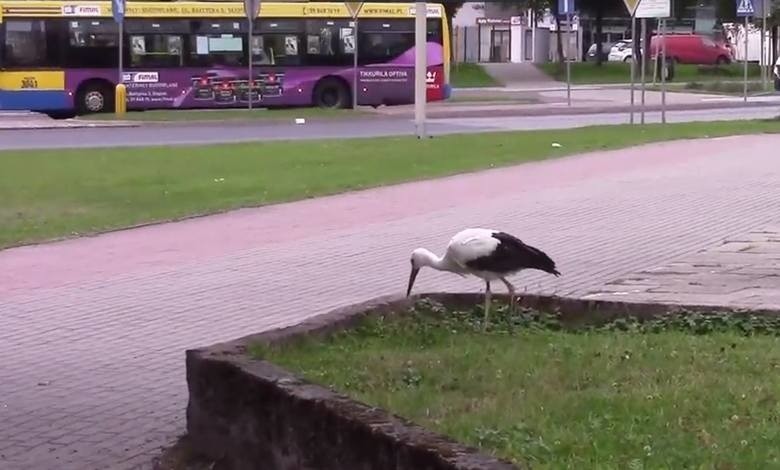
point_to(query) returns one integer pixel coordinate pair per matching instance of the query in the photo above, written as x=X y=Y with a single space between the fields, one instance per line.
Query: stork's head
x=420 y=257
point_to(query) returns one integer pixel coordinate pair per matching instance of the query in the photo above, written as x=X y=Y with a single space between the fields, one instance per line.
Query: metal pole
x=644 y=67
x=568 y=59
x=764 y=60
x=633 y=62
x=745 y=90
x=355 y=67
x=121 y=51
x=663 y=71
x=250 y=81
x=532 y=15
x=420 y=66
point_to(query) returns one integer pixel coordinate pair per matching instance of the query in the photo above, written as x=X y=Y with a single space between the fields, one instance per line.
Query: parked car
x=692 y=49
x=590 y=56
x=621 y=51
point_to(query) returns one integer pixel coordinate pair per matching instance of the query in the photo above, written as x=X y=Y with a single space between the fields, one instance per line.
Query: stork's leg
x=511 y=290
x=487 y=305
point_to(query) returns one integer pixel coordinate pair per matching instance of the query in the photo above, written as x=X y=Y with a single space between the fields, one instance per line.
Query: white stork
x=484 y=253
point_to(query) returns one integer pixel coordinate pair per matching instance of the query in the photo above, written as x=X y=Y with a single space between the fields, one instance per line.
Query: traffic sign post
x=566 y=7
x=764 y=59
x=251 y=10
x=354 y=10
x=633 y=62
x=643 y=69
x=745 y=9
x=631 y=6
x=120 y=92
x=663 y=70
x=420 y=65
x=659 y=9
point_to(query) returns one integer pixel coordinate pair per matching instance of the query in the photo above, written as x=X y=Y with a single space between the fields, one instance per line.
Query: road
x=210 y=133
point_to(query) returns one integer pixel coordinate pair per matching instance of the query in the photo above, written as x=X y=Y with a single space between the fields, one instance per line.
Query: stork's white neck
x=427 y=258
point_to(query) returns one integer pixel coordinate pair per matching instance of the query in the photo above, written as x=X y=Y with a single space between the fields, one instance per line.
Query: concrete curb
x=38 y=123
x=565 y=111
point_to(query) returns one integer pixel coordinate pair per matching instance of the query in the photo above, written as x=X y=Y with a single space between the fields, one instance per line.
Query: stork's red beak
x=412 y=277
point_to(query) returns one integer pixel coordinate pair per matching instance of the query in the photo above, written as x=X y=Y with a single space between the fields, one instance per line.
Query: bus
x=63 y=57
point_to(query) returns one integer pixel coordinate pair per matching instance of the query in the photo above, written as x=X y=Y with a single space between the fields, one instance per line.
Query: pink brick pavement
x=95 y=329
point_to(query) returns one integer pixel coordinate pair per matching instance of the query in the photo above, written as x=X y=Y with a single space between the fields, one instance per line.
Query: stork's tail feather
x=543 y=262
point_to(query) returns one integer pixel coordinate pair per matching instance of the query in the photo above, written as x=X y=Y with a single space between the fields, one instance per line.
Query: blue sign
x=118 y=10
x=745 y=8
x=566 y=7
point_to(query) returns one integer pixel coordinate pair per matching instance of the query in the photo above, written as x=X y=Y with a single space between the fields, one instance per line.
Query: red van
x=692 y=49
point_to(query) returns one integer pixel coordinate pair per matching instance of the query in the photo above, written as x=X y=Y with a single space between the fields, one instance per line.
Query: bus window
x=384 y=40
x=156 y=44
x=156 y=50
x=279 y=49
x=281 y=40
x=329 y=42
x=25 y=43
x=217 y=43
x=92 y=43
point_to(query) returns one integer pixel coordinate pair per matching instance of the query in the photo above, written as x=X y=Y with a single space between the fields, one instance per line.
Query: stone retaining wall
x=250 y=414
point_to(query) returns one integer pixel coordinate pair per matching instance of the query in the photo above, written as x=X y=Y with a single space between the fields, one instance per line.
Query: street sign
x=654 y=9
x=565 y=7
x=745 y=8
x=118 y=10
x=631 y=6
x=251 y=9
x=354 y=8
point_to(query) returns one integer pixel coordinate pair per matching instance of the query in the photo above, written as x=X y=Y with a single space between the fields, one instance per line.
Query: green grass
x=179 y=115
x=683 y=393
x=584 y=73
x=49 y=194
x=465 y=75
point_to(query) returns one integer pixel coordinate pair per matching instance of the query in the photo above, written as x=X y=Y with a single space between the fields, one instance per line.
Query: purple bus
x=64 y=58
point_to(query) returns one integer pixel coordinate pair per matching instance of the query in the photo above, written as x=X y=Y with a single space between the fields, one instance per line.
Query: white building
x=495 y=32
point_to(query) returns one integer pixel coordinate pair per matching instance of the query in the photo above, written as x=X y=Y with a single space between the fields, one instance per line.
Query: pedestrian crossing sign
x=745 y=8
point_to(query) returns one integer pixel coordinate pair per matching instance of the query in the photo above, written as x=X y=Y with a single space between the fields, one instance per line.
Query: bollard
x=120 y=100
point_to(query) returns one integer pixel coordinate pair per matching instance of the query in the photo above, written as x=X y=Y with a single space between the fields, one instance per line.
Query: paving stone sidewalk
x=94 y=329
x=742 y=271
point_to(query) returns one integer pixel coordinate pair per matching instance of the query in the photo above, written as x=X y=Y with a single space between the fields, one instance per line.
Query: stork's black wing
x=511 y=255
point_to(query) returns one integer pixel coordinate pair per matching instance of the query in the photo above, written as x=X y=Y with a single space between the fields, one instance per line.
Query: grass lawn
x=681 y=393
x=58 y=193
x=583 y=73
x=227 y=114
x=470 y=75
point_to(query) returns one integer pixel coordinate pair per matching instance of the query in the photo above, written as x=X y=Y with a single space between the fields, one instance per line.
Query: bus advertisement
x=63 y=56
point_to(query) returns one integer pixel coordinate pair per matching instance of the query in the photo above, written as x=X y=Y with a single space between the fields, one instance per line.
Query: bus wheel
x=95 y=97
x=331 y=93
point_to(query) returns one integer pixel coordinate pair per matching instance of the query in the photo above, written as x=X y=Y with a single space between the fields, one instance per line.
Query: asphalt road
x=210 y=133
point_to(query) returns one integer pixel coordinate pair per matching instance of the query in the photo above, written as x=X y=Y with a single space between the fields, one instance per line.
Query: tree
x=597 y=9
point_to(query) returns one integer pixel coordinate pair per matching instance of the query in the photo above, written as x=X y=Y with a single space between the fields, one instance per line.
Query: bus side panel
x=34 y=91
x=227 y=87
